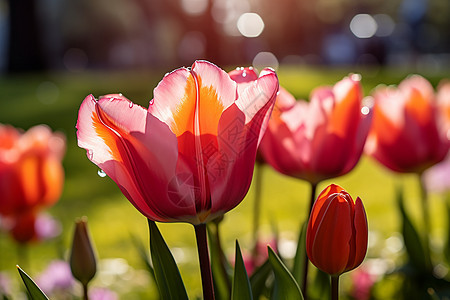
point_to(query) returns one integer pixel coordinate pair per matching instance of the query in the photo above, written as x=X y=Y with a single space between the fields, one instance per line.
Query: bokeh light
x=194 y=7
x=250 y=25
x=363 y=26
x=265 y=59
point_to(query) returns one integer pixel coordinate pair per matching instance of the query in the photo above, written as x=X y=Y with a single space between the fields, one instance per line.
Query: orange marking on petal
x=419 y=107
x=183 y=116
x=107 y=136
x=345 y=113
x=211 y=109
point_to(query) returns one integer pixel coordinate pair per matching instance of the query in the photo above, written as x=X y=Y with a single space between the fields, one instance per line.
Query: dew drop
x=130 y=105
x=120 y=95
x=355 y=77
x=101 y=173
x=151 y=102
x=244 y=74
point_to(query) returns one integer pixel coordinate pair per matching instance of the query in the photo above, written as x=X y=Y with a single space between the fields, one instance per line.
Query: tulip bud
x=82 y=258
x=336 y=237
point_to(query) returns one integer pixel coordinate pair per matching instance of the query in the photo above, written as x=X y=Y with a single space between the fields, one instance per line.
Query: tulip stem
x=425 y=212
x=306 y=260
x=256 y=207
x=335 y=287
x=205 y=265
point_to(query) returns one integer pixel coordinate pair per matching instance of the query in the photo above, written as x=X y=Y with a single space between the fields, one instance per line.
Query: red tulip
x=190 y=156
x=320 y=139
x=405 y=134
x=336 y=236
x=31 y=173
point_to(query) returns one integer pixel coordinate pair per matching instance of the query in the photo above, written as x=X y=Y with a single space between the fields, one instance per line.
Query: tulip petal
x=205 y=90
x=240 y=129
x=128 y=148
x=331 y=243
x=361 y=238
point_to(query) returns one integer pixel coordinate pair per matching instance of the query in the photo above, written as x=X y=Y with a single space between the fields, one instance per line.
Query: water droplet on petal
x=152 y=101
x=355 y=77
x=244 y=74
x=130 y=105
x=101 y=173
x=120 y=95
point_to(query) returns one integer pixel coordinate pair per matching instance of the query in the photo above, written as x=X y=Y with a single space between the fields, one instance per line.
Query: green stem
x=306 y=260
x=257 y=207
x=424 y=202
x=205 y=265
x=335 y=287
x=425 y=214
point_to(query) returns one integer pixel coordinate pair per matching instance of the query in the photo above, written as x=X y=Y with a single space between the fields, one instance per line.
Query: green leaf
x=221 y=269
x=168 y=278
x=259 y=278
x=413 y=243
x=241 y=285
x=447 y=244
x=300 y=255
x=33 y=290
x=285 y=286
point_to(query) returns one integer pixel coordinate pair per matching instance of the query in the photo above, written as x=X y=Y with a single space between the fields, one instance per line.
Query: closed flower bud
x=336 y=237
x=83 y=261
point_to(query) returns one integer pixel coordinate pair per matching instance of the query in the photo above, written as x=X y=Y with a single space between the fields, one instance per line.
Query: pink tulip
x=190 y=156
x=406 y=135
x=320 y=139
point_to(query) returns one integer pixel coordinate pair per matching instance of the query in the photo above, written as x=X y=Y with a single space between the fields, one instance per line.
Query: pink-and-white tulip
x=188 y=157
x=320 y=139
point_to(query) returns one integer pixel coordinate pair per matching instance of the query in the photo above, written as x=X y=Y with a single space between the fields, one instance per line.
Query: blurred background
x=53 y=53
x=140 y=34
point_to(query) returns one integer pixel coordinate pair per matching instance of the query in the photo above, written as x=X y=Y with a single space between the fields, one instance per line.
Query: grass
x=112 y=219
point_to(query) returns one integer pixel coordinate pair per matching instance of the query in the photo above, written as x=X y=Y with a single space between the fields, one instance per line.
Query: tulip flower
x=406 y=136
x=189 y=157
x=321 y=139
x=31 y=173
x=336 y=235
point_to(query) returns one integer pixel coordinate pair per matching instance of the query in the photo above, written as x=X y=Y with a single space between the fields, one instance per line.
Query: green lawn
x=113 y=220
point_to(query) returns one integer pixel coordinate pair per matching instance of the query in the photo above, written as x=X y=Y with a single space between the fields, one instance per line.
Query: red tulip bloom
x=31 y=173
x=405 y=134
x=320 y=139
x=189 y=156
x=336 y=236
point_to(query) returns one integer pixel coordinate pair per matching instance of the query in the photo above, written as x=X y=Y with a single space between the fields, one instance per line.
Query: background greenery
x=112 y=219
